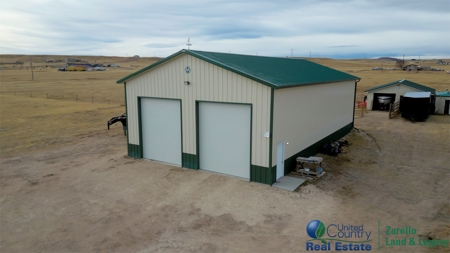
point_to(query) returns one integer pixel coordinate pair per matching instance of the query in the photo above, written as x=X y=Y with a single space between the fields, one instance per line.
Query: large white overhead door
x=161 y=129
x=224 y=138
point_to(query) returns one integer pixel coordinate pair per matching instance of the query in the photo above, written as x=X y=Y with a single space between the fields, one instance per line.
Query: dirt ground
x=87 y=196
x=66 y=184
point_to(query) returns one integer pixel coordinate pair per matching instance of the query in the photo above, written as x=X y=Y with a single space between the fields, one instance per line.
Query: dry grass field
x=439 y=80
x=58 y=105
x=66 y=184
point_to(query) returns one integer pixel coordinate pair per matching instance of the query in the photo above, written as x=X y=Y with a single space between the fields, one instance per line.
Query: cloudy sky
x=322 y=28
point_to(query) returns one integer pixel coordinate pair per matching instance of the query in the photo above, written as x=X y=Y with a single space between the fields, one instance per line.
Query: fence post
x=390 y=110
x=108 y=101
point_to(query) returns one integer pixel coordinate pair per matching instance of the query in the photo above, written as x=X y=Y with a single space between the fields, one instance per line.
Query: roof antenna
x=189 y=43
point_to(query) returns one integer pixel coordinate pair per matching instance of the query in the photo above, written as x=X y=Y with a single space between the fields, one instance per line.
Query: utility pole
x=31 y=64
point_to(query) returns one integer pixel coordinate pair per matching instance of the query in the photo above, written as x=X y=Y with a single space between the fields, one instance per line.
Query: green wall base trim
x=189 y=161
x=134 y=151
x=263 y=175
x=290 y=163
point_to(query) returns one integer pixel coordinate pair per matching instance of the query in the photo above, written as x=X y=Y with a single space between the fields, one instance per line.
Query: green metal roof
x=443 y=93
x=275 y=72
x=407 y=83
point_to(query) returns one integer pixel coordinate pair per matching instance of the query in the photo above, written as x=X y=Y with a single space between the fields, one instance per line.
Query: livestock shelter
x=239 y=115
x=443 y=102
x=394 y=91
x=416 y=105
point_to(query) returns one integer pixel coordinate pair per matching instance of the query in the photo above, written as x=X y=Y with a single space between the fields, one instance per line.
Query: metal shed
x=393 y=90
x=240 y=115
x=443 y=102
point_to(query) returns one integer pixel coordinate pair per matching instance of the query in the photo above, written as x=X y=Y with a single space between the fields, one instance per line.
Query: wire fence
x=85 y=98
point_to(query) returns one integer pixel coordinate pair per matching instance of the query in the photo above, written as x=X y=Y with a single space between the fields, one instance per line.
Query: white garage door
x=224 y=138
x=161 y=130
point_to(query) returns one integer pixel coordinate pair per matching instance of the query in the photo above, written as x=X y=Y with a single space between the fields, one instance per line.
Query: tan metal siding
x=398 y=90
x=305 y=115
x=208 y=83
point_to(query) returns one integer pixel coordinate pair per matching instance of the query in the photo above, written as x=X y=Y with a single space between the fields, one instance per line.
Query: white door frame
x=212 y=144
x=280 y=159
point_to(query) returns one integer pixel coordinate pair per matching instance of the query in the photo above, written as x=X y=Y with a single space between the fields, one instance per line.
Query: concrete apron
x=288 y=183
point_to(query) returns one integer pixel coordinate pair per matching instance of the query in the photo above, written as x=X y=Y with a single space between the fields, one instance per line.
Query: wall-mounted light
x=187 y=82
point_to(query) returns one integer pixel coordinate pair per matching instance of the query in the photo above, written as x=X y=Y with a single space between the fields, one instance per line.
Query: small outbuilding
x=443 y=102
x=239 y=115
x=379 y=97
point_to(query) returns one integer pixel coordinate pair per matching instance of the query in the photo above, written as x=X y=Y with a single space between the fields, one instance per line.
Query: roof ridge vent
x=401 y=81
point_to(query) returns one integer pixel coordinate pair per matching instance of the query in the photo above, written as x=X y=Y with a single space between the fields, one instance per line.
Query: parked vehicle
x=75 y=68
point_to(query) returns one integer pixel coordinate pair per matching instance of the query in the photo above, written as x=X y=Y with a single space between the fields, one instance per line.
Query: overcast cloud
x=339 y=29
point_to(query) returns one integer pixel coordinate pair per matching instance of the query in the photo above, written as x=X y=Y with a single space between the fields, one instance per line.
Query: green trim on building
x=140 y=126
x=251 y=138
x=406 y=83
x=263 y=175
x=197 y=133
x=275 y=72
x=354 y=107
x=181 y=128
x=272 y=92
x=443 y=94
x=129 y=151
x=189 y=161
x=197 y=130
x=290 y=163
x=134 y=151
x=140 y=122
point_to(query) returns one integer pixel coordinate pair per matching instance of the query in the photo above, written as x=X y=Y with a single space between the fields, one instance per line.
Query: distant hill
x=57 y=61
x=388 y=58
